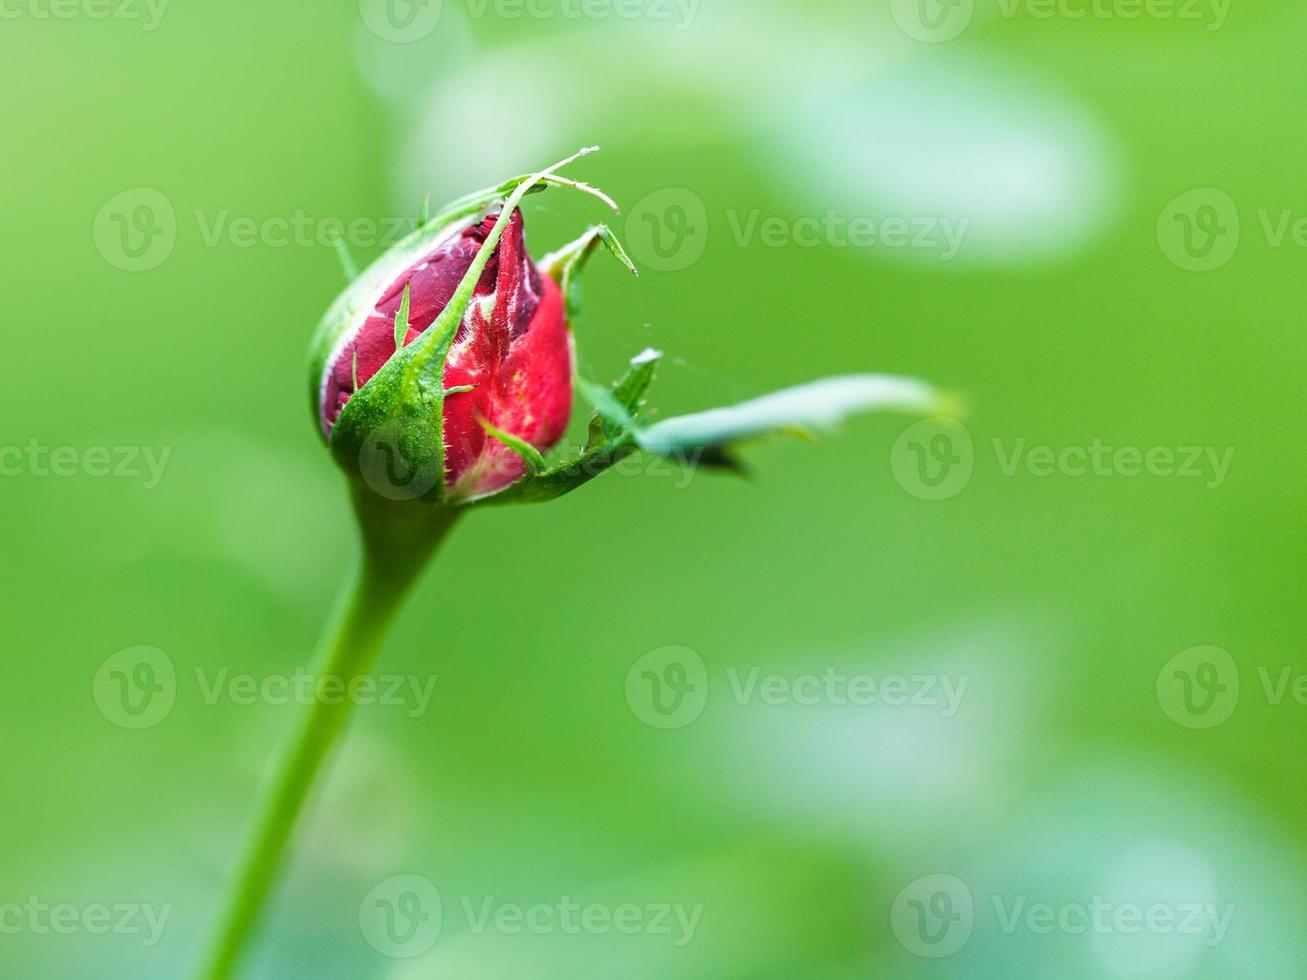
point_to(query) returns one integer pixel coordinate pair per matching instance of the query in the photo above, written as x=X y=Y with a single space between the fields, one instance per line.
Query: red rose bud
x=509 y=365
x=444 y=373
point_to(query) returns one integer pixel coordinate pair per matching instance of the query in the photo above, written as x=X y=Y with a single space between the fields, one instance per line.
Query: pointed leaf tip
x=401 y=319
x=565 y=265
x=614 y=244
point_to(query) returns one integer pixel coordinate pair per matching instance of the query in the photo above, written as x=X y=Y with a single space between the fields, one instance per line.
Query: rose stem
x=398 y=539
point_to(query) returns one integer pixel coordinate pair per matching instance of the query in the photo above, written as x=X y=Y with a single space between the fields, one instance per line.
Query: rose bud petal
x=512 y=352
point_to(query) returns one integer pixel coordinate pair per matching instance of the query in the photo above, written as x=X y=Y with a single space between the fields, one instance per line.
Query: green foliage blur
x=862 y=715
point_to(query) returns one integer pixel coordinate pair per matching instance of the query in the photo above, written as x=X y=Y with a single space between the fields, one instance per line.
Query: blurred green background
x=159 y=301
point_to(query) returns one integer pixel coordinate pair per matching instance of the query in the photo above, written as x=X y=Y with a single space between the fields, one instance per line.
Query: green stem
x=398 y=539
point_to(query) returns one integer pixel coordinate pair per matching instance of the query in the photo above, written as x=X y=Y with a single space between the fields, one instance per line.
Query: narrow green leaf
x=706 y=438
x=814 y=406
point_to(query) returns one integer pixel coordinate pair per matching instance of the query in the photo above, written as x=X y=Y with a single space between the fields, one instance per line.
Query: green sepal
x=612 y=413
x=563 y=478
x=611 y=437
x=565 y=265
x=617 y=409
x=535 y=462
x=401 y=319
